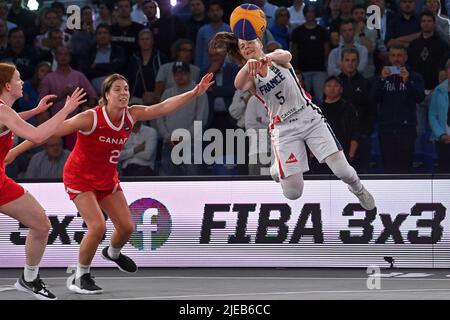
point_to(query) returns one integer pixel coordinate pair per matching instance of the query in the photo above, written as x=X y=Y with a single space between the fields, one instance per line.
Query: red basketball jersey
x=6 y=143
x=94 y=158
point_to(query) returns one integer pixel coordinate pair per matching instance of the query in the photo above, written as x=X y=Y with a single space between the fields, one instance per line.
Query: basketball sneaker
x=365 y=198
x=124 y=263
x=36 y=288
x=83 y=285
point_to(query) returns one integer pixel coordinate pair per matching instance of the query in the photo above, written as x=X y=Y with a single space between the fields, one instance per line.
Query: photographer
x=396 y=93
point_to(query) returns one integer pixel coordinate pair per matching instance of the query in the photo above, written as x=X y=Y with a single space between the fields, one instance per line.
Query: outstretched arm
x=43 y=105
x=12 y=120
x=83 y=121
x=143 y=113
x=280 y=56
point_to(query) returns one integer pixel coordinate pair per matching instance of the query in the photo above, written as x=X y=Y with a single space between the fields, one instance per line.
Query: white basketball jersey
x=282 y=94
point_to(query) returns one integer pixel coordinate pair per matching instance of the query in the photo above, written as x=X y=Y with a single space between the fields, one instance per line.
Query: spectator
x=297 y=18
x=103 y=58
x=182 y=10
x=55 y=40
x=22 y=56
x=341 y=116
x=4 y=15
x=49 y=163
x=82 y=40
x=20 y=16
x=331 y=18
x=104 y=14
x=356 y=90
x=30 y=97
x=125 y=31
x=365 y=37
x=439 y=117
x=280 y=27
x=64 y=80
x=345 y=10
x=310 y=49
x=197 y=20
x=143 y=68
x=139 y=152
x=205 y=33
x=51 y=22
x=426 y=52
x=442 y=69
x=183 y=50
x=60 y=10
x=396 y=93
x=419 y=6
x=220 y=94
x=196 y=110
x=137 y=14
x=405 y=26
x=167 y=29
x=347 y=33
x=442 y=24
x=257 y=124
x=150 y=9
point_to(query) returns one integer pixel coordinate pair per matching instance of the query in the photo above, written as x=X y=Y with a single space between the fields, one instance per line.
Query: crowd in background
x=385 y=92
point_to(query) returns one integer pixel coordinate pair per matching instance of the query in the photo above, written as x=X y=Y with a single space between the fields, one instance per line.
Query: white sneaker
x=274 y=172
x=365 y=198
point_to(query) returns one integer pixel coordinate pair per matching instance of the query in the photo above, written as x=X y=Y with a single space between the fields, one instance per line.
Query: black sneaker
x=36 y=288
x=123 y=262
x=84 y=284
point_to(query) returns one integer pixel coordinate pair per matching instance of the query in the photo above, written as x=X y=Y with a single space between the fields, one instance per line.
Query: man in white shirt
x=347 y=32
x=137 y=14
x=296 y=13
x=139 y=152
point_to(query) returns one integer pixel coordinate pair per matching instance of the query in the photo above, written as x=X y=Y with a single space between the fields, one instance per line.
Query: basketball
x=248 y=22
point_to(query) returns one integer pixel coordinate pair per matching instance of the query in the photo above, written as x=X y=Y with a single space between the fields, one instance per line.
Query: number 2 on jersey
x=114 y=159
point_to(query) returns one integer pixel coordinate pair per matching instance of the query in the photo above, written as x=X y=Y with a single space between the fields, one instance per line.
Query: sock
x=30 y=272
x=82 y=269
x=113 y=253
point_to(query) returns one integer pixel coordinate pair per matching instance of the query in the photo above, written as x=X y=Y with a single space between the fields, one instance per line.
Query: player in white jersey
x=295 y=120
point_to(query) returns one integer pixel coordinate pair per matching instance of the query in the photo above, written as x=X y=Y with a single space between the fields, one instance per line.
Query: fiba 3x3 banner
x=251 y=224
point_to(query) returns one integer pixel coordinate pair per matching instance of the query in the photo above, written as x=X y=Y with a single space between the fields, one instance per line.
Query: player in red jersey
x=14 y=200
x=90 y=174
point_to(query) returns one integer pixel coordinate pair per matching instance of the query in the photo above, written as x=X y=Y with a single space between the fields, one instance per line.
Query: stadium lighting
x=33 y=5
x=173 y=3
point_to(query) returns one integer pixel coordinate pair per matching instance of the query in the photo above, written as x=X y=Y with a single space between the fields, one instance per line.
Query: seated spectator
x=139 y=152
x=439 y=118
x=332 y=14
x=24 y=57
x=396 y=93
x=102 y=59
x=418 y=7
x=197 y=20
x=182 y=50
x=442 y=23
x=150 y=9
x=310 y=49
x=30 y=97
x=356 y=90
x=49 y=163
x=52 y=21
x=125 y=31
x=55 y=40
x=280 y=27
x=347 y=32
x=205 y=33
x=143 y=68
x=404 y=27
x=196 y=110
x=343 y=119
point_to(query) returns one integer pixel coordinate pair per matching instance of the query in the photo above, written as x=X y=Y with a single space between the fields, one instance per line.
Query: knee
x=97 y=230
x=126 y=228
x=293 y=194
x=42 y=227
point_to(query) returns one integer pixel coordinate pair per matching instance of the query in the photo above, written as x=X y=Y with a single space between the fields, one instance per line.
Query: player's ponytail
x=227 y=41
x=6 y=73
x=106 y=86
